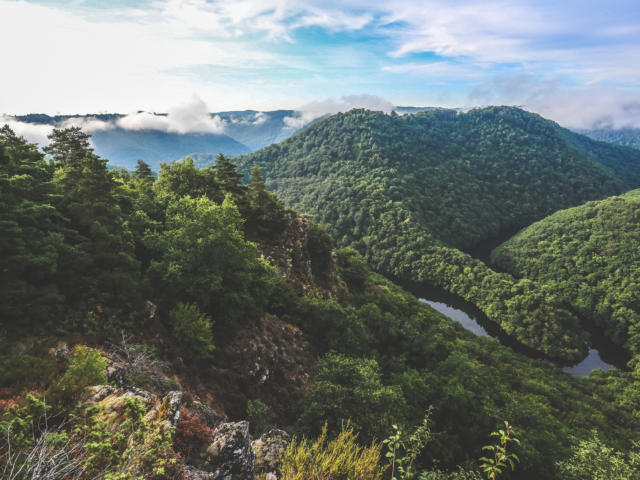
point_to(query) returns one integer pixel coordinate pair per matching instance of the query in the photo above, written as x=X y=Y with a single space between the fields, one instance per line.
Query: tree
x=266 y=215
x=68 y=145
x=182 y=178
x=99 y=268
x=143 y=172
x=351 y=389
x=229 y=178
x=31 y=236
x=204 y=259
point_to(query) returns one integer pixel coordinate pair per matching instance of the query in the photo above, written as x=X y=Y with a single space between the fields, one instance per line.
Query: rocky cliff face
x=227 y=452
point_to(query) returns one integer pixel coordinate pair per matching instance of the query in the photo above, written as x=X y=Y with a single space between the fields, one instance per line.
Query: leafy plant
x=501 y=457
x=403 y=451
x=193 y=331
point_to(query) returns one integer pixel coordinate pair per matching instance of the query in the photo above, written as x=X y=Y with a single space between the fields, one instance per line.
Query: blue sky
x=574 y=61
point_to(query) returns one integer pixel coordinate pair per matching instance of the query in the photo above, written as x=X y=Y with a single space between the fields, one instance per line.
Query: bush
x=86 y=367
x=260 y=417
x=191 y=433
x=192 y=330
x=338 y=459
x=353 y=268
x=320 y=244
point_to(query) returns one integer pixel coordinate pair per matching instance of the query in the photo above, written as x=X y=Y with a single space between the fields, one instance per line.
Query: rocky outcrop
x=269 y=450
x=170 y=407
x=229 y=456
x=289 y=253
x=270 y=360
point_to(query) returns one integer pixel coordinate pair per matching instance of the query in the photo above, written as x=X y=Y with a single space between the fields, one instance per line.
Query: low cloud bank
x=573 y=107
x=33 y=132
x=309 y=112
x=190 y=117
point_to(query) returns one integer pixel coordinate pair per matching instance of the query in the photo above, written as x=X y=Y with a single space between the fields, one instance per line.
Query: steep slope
x=590 y=255
x=405 y=189
x=232 y=315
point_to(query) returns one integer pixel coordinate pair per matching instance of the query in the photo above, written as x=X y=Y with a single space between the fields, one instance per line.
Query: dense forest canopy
x=84 y=249
x=409 y=191
x=589 y=254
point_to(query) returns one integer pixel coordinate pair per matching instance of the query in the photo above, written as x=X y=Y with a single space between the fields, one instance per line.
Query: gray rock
x=269 y=450
x=97 y=393
x=192 y=473
x=229 y=456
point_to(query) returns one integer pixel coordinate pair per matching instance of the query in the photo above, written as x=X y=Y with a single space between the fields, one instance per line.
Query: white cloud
x=88 y=124
x=33 y=132
x=309 y=112
x=256 y=119
x=190 y=117
x=574 y=107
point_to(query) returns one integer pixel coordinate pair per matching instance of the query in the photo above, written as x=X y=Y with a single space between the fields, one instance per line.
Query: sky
x=576 y=62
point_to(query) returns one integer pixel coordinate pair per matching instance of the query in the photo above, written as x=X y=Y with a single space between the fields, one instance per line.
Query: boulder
x=269 y=450
x=229 y=456
x=192 y=473
x=170 y=408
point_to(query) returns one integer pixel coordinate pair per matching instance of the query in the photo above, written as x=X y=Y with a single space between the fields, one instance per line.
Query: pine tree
x=30 y=236
x=266 y=215
x=229 y=178
x=101 y=269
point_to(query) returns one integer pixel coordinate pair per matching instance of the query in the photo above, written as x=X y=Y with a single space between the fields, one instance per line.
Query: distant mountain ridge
x=629 y=137
x=244 y=131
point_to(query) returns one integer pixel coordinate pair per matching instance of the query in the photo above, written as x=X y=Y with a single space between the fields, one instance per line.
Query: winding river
x=603 y=354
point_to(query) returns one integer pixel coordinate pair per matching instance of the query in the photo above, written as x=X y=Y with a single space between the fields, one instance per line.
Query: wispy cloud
x=319 y=108
x=74 y=56
x=190 y=117
x=32 y=132
x=574 y=107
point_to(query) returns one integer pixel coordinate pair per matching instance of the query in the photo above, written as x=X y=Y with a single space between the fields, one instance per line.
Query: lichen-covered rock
x=98 y=393
x=192 y=473
x=269 y=450
x=170 y=408
x=229 y=456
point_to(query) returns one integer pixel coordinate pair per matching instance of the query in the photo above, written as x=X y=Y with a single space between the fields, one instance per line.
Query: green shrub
x=260 y=417
x=352 y=267
x=86 y=367
x=192 y=329
x=338 y=459
x=319 y=244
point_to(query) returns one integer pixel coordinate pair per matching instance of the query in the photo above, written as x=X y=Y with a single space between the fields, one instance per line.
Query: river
x=603 y=354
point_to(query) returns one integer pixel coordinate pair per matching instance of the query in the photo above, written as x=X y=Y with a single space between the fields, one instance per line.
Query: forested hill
x=590 y=255
x=464 y=176
x=404 y=189
x=143 y=319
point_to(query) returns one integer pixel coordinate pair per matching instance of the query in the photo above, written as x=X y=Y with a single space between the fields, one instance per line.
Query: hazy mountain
x=629 y=137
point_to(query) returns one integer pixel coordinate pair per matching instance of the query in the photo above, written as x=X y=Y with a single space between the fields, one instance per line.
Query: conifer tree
x=30 y=236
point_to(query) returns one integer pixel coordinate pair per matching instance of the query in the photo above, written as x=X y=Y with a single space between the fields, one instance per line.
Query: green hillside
x=125 y=296
x=410 y=191
x=590 y=255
